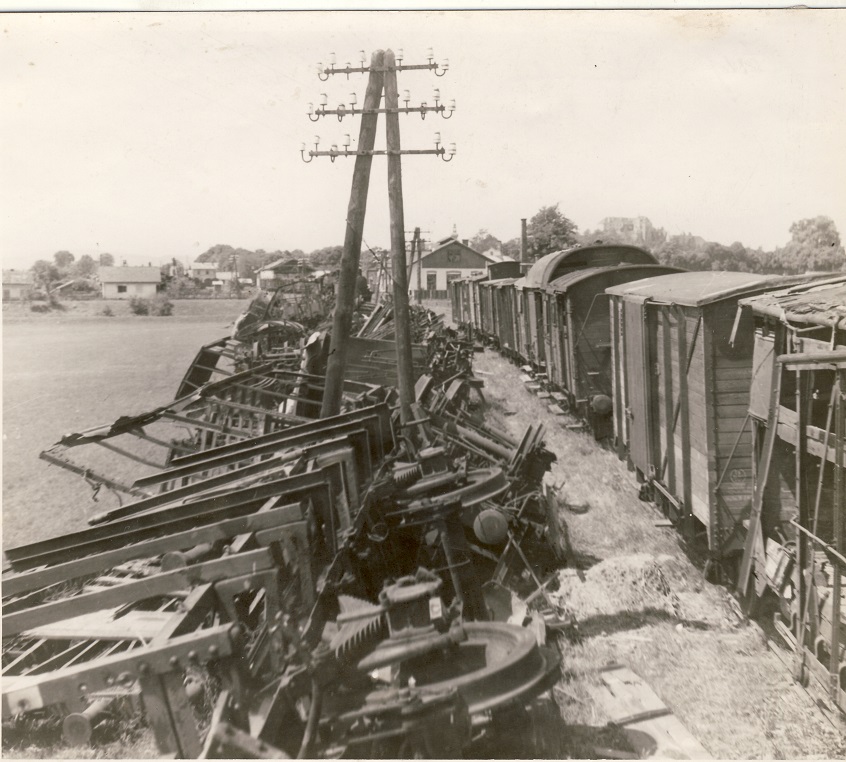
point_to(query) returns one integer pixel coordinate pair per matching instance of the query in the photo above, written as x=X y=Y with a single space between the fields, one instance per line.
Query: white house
x=202 y=271
x=450 y=260
x=126 y=282
x=16 y=284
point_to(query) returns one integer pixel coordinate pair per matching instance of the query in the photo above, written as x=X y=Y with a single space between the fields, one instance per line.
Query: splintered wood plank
x=554 y=409
x=653 y=731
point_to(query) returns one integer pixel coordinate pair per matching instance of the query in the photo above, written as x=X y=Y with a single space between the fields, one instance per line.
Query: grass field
x=69 y=371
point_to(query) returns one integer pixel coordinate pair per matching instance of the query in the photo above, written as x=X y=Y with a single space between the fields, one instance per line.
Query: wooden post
x=419 y=265
x=348 y=276
x=405 y=370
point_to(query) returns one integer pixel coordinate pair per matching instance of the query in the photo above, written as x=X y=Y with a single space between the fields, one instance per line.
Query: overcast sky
x=153 y=136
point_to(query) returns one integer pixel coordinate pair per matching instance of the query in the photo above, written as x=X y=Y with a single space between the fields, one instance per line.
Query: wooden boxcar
x=470 y=298
x=577 y=337
x=504 y=300
x=797 y=538
x=681 y=396
x=459 y=297
x=531 y=291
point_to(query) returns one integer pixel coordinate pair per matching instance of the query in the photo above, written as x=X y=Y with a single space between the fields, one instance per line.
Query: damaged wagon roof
x=821 y=302
x=699 y=288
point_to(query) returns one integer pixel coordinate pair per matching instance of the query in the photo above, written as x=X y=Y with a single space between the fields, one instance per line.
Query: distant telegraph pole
x=383 y=69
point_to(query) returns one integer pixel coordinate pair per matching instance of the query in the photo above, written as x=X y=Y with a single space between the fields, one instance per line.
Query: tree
x=483 y=241
x=512 y=248
x=85 y=267
x=63 y=260
x=549 y=230
x=107 y=260
x=814 y=245
x=327 y=258
x=45 y=274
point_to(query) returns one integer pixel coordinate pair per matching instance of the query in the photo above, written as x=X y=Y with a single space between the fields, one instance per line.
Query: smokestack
x=524 y=241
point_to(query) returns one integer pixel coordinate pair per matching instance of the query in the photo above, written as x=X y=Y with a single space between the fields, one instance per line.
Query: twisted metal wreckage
x=324 y=586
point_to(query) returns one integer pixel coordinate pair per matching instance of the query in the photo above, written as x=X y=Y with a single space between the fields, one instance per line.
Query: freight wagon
x=796 y=542
x=576 y=337
x=682 y=375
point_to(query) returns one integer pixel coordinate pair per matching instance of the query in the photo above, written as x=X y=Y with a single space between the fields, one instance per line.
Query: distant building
x=16 y=284
x=126 y=282
x=450 y=260
x=282 y=271
x=224 y=280
x=203 y=272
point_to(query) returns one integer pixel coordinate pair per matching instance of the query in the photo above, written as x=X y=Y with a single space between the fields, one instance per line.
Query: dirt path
x=640 y=601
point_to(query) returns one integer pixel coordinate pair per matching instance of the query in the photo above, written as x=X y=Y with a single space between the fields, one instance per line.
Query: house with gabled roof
x=450 y=260
x=126 y=282
x=16 y=284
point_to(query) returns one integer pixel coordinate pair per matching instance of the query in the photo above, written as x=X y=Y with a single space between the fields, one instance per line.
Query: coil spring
x=406 y=473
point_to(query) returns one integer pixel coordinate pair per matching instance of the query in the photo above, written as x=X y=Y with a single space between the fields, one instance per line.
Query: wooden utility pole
x=419 y=265
x=348 y=275
x=405 y=368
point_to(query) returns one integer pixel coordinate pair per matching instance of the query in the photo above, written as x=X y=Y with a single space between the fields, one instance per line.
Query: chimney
x=524 y=241
x=466 y=241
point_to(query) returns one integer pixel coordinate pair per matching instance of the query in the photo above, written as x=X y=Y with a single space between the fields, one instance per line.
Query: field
x=637 y=596
x=68 y=371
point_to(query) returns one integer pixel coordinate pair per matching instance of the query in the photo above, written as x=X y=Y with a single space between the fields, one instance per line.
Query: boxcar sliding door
x=637 y=369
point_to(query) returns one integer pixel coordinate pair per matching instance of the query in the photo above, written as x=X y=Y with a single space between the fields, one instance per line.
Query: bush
x=139 y=306
x=39 y=307
x=107 y=311
x=161 y=306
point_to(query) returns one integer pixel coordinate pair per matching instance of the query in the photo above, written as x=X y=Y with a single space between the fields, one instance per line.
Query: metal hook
x=316 y=116
x=323 y=76
x=310 y=157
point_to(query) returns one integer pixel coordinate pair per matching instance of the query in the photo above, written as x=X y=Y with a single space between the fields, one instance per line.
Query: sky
x=157 y=135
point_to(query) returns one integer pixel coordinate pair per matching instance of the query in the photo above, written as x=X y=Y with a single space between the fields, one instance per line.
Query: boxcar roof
x=821 y=302
x=696 y=289
x=552 y=266
x=577 y=276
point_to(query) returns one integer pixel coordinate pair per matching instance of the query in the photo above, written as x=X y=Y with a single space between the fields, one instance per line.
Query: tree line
x=814 y=245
